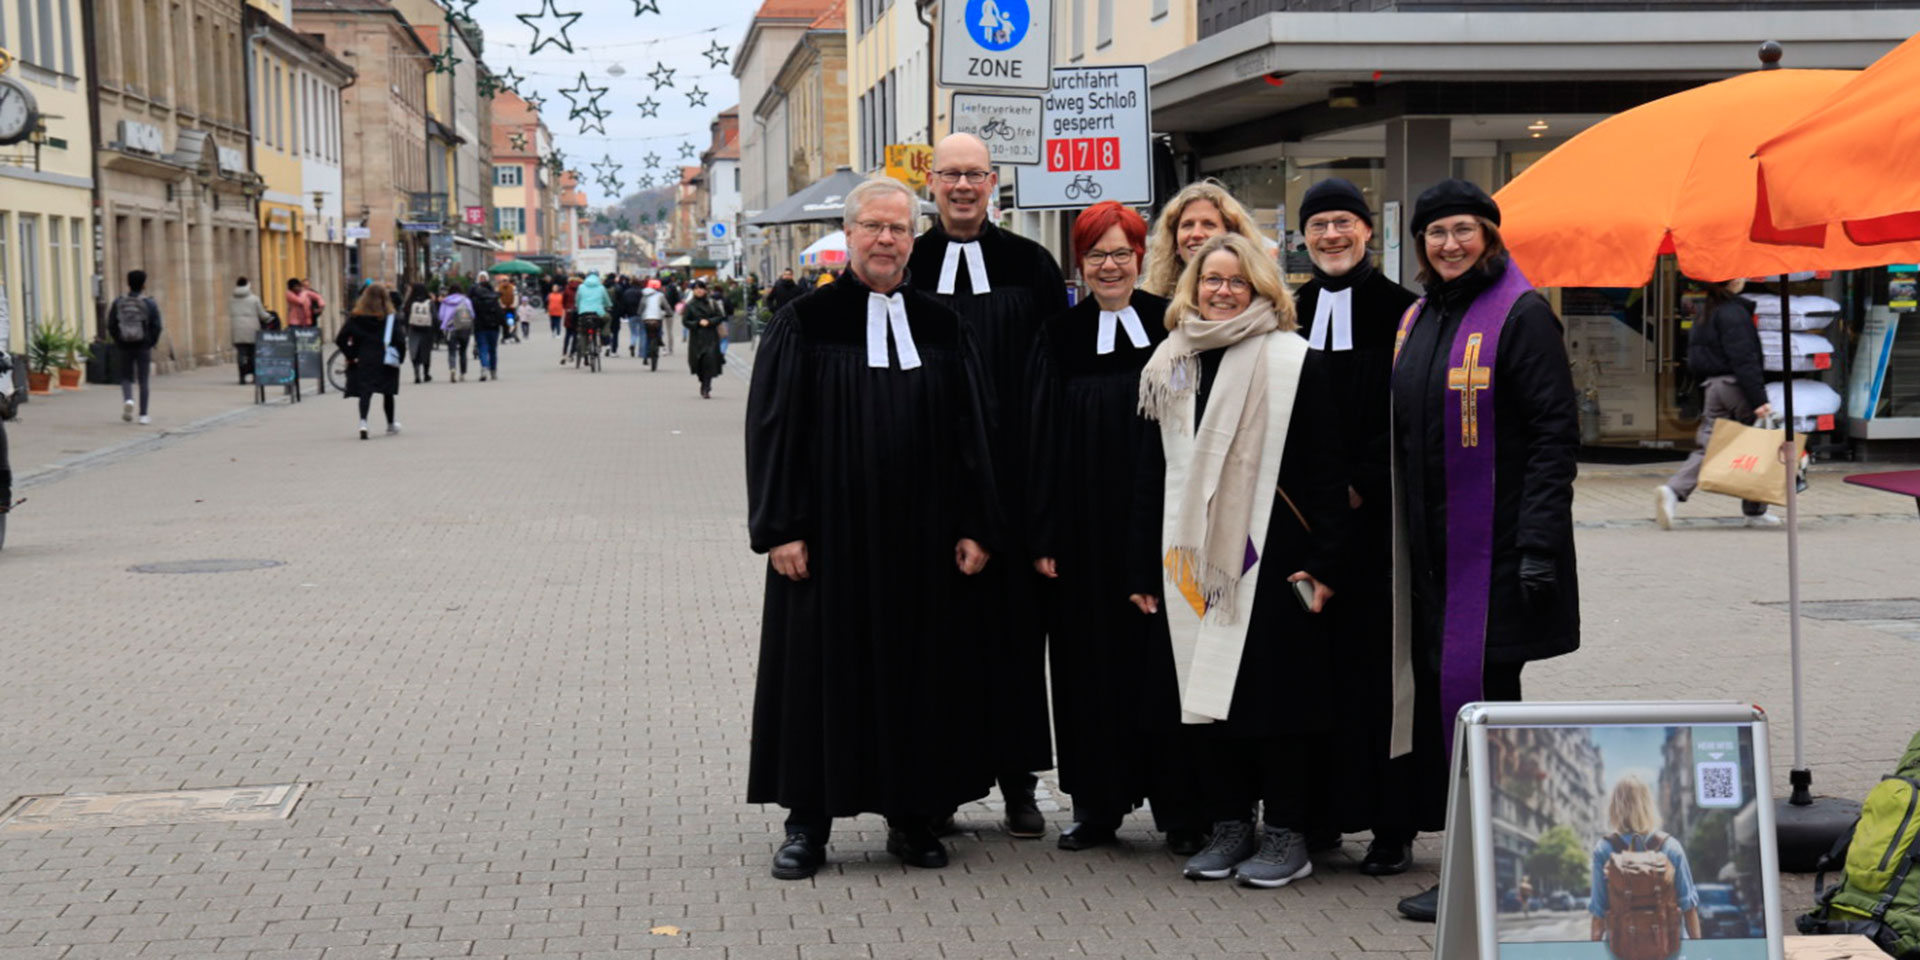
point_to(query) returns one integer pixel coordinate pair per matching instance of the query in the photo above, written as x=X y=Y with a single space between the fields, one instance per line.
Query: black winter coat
x=488 y=314
x=1726 y=343
x=367 y=371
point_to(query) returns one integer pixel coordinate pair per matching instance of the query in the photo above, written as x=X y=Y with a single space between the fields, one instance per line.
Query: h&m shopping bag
x=1745 y=462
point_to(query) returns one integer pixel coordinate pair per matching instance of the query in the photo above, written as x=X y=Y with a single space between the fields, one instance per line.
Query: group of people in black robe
x=1261 y=543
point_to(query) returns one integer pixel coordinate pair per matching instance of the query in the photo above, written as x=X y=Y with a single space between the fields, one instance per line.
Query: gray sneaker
x=1233 y=841
x=1282 y=859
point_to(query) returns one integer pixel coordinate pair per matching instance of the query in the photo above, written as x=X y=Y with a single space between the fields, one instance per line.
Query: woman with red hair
x=1116 y=698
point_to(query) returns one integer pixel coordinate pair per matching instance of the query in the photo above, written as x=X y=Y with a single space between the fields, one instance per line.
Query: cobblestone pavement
x=512 y=652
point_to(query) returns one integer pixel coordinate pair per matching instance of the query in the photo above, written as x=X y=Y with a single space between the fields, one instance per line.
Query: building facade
x=47 y=251
x=294 y=86
x=803 y=116
x=720 y=181
x=176 y=192
x=522 y=184
x=383 y=133
x=887 y=71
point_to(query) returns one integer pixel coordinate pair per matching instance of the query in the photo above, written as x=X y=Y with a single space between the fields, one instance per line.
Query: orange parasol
x=1853 y=159
x=1672 y=176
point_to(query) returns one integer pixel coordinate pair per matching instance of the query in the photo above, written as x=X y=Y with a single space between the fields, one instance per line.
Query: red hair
x=1096 y=220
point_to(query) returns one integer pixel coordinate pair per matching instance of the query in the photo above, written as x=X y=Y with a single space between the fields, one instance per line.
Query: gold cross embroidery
x=1470 y=378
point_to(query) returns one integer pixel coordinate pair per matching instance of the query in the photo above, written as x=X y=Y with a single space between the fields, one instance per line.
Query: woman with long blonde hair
x=1198 y=213
x=1635 y=820
x=1240 y=521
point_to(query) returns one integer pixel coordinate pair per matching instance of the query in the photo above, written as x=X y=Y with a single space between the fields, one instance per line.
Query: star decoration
x=517 y=141
x=716 y=54
x=556 y=161
x=577 y=92
x=508 y=79
x=466 y=8
x=558 y=37
x=645 y=6
x=653 y=161
x=594 y=120
x=686 y=151
x=662 y=76
x=606 y=167
x=696 y=97
x=649 y=107
x=610 y=184
x=445 y=61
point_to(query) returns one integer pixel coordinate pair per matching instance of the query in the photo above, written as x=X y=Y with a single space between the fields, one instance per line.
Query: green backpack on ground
x=1878 y=895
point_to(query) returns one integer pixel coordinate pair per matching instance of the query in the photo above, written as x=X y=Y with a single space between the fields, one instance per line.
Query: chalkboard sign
x=273 y=357
x=308 y=348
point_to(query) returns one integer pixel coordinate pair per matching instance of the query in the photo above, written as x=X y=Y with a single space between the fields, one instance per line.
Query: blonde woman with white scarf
x=1240 y=523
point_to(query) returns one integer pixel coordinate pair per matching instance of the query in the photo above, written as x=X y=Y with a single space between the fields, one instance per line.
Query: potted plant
x=43 y=355
x=72 y=355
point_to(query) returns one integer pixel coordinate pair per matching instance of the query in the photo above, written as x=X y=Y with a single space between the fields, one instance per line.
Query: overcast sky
x=609 y=38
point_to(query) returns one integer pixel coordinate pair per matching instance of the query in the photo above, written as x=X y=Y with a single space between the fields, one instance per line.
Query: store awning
x=482 y=244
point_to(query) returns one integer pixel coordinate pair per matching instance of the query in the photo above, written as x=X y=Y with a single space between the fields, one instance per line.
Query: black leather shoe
x=943 y=825
x=1087 y=835
x=916 y=847
x=799 y=858
x=1186 y=843
x=1023 y=814
x=1423 y=906
x=1386 y=858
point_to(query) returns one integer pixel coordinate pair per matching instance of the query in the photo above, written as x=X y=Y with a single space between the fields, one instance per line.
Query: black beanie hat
x=1451 y=198
x=1334 y=194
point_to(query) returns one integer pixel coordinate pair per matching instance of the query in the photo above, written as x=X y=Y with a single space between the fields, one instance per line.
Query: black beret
x=1334 y=194
x=1450 y=198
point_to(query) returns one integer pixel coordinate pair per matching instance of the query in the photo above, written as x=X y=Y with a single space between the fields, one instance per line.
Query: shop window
x=55 y=279
x=29 y=298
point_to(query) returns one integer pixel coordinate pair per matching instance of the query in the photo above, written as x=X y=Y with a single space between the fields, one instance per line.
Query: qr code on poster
x=1718 y=784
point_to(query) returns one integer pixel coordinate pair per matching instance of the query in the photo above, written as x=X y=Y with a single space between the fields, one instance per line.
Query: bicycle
x=586 y=342
x=1083 y=184
x=997 y=127
x=337 y=370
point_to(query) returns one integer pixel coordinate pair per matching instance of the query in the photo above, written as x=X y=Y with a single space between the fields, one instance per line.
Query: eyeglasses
x=1462 y=234
x=874 y=228
x=972 y=177
x=1236 y=284
x=1118 y=258
x=1318 y=228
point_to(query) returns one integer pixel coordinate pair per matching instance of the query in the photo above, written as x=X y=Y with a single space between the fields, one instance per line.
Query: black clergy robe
x=1010 y=662
x=881 y=471
x=1356 y=785
x=1116 y=698
x=1536 y=440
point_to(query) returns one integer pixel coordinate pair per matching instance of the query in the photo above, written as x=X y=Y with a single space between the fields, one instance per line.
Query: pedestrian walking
x=246 y=315
x=135 y=326
x=303 y=304
x=653 y=318
x=374 y=343
x=1245 y=455
x=1723 y=353
x=631 y=300
x=867 y=487
x=556 y=309
x=1116 y=696
x=1485 y=430
x=510 y=303
x=1198 y=213
x=457 y=321
x=705 y=322
x=1004 y=287
x=489 y=317
x=421 y=330
x=1349 y=312
x=783 y=291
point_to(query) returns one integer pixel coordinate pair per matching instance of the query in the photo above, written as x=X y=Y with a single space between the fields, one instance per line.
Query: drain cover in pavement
x=273 y=802
x=1903 y=608
x=205 y=566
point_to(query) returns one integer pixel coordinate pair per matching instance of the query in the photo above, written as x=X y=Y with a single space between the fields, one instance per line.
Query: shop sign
x=1010 y=126
x=142 y=137
x=1097 y=141
x=996 y=44
x=231 y=160
x=910 y=163
x=1903 y=289
x=279 y=220
x=476 y=216
x=408 y=226
x=359 y=233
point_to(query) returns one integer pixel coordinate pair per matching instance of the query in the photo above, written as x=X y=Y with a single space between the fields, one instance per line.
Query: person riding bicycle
x=594 y=307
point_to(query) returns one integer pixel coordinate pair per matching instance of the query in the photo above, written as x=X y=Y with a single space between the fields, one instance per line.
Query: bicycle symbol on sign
x=997 y=127
x=1083 y=184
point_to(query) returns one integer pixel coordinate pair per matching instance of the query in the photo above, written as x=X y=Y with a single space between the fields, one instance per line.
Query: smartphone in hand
x=1303 y=592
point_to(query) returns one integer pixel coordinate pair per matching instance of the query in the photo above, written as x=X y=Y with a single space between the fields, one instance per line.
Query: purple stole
x=1468 y=417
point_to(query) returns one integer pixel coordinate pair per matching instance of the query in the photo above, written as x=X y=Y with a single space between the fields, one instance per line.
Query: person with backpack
x=632 y=298
x=134 y=325
x=652 y=320
x=1643 y=893
x=456 y=322
x=420 y=332
x=374 y=342
x=246 y=316
x=488 y=317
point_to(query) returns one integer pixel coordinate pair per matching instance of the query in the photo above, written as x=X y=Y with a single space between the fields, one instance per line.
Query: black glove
x=1539 y=576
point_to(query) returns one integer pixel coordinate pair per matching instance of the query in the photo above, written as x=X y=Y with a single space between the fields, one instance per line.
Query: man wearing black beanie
x=1349 y=312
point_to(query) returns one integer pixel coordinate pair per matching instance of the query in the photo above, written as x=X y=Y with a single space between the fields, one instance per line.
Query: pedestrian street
x=509 y=653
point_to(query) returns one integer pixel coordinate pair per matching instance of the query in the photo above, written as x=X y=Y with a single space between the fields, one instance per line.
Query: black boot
x=914 y=843
x=1023 y=814
x=1423 y=906
x=798 y=858
x=1387 y=856
x=1090 y=833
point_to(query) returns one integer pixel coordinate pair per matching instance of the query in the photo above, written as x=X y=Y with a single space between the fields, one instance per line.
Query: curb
x=127 y=449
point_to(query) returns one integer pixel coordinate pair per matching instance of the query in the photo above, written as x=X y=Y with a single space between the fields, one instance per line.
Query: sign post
x=274 y=363
x=1009 y=126
x=308 y=362
x=1096 y=141
x=996 y=44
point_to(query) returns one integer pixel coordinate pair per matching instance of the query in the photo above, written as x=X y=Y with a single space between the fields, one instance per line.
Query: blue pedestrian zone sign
x=718 y=231
x=998 y=24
